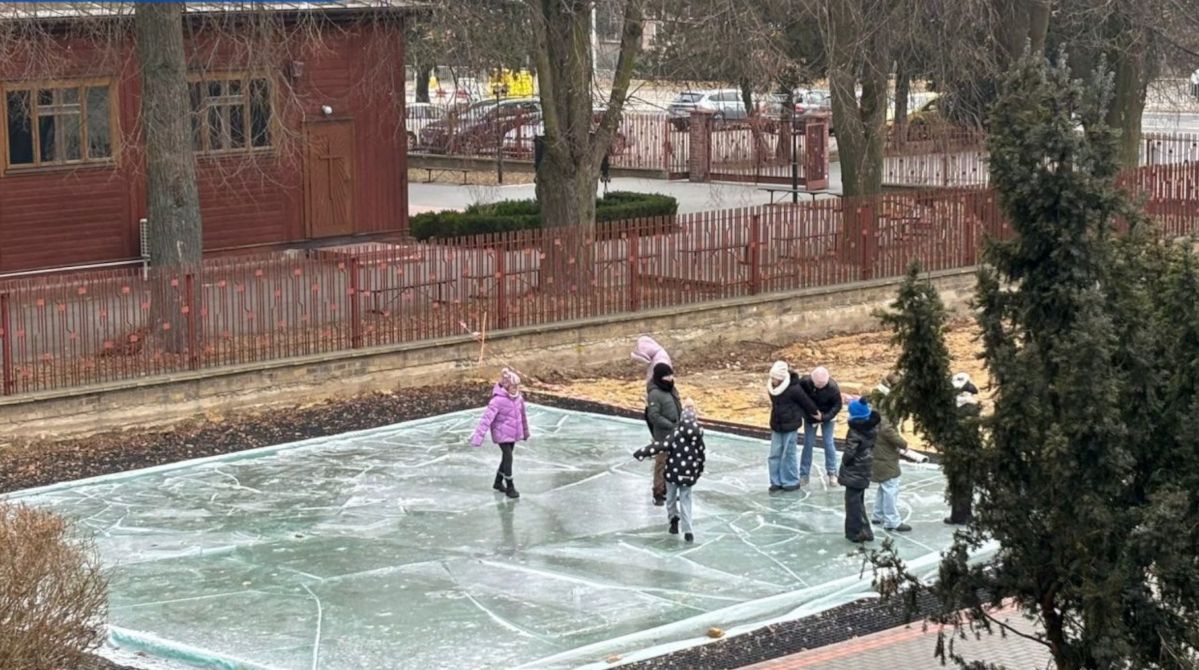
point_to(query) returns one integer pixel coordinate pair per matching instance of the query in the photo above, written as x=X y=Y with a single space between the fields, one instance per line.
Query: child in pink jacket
x=506 y=419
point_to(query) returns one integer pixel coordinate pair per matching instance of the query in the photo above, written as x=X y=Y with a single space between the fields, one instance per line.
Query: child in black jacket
x=857 y=462
x=684 y=465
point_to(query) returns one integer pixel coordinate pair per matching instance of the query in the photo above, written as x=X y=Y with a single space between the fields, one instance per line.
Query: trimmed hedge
x=526 y=214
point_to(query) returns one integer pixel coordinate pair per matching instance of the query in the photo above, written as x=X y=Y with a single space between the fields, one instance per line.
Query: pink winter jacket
x=505 y=417
x=650 y=353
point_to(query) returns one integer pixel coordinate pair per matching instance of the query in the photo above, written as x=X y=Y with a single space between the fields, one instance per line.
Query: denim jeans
x=678 y=504
x=886 y=504
x=782 y=461
x=809 y=442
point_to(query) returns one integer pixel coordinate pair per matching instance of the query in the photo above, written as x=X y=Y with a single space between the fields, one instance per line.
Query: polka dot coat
x=685 y=444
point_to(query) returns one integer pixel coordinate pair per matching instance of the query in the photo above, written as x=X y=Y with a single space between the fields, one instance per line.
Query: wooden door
x=329 y=179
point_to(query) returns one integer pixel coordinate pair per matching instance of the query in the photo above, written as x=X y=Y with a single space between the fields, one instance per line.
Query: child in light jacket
x=684 y=465
x=506 y=419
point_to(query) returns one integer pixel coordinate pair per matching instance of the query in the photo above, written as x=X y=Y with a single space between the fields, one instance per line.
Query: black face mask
x=664 y=385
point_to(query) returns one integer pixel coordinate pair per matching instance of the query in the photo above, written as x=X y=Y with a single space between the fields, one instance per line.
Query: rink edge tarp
x=838 y=592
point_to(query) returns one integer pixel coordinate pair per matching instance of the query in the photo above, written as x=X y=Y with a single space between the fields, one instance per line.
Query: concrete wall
x=568 y=347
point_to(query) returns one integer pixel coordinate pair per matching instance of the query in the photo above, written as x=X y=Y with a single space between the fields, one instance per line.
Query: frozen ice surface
x=388 y=549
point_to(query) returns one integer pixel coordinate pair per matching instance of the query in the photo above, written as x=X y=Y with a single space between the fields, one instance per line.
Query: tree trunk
x=903 y=90
x=423 y=72
x=861 y=127
x=173 y=198
x=747 y=96
x=1023 y=25
x=568 y=176
x=1128 y=62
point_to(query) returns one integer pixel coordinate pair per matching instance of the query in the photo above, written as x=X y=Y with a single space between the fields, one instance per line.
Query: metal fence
x=643 y=141
x=948 y=157
x=1169 y=148
x=86 y=328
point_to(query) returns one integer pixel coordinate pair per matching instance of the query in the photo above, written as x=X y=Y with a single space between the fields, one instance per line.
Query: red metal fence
x=86 y=328
x=948 y=157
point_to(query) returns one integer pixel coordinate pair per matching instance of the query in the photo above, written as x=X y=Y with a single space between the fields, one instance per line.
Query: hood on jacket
x=779 y=379
x=866 y=423
x=499 y=390
x=649 y=351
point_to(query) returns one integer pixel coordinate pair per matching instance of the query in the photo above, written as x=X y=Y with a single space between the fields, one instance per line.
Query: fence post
x=755 y=255
x=6 y=345
x=667 y=147
x=189 y=309
x=501 y=286
x=633 y=240
x=869 y=238
x=355 y=307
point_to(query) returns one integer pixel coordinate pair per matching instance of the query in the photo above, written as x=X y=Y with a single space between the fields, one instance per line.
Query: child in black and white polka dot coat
x=684 y=465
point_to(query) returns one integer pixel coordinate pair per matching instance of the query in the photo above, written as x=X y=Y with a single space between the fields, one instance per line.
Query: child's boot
x=688 y=537
x=511 y=488
x=499 y=482
x=674 y=525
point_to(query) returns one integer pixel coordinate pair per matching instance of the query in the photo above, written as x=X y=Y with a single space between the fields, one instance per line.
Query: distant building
x=307 y=146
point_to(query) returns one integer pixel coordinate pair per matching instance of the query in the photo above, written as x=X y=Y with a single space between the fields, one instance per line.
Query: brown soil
x=728 y=384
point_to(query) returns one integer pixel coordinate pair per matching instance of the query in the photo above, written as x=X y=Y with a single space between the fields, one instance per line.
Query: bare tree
x=569 y=172
x=172 y=193
x=860 y=39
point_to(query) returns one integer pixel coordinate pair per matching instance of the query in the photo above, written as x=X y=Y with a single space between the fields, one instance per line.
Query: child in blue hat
x=856 y=464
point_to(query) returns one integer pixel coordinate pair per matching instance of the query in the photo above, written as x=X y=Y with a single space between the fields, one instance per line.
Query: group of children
x=873 y=446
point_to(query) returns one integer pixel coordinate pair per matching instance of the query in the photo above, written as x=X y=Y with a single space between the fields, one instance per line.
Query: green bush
x=511 y=215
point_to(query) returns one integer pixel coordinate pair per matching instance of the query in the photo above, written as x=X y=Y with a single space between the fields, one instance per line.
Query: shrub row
x=512 y=215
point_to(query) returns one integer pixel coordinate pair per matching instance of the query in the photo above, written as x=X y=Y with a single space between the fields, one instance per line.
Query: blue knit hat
x=859 y=409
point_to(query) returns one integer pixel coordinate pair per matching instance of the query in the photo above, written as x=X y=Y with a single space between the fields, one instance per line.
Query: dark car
x=478 y=128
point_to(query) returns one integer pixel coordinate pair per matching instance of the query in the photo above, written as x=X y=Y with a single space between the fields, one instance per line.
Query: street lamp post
x=794 y=161
x=501 y=90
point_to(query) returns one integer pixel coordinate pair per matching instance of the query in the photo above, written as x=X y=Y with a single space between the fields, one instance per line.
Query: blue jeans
x=782 y=459
x=678 y=504
x=809 y=442
x=886 y=504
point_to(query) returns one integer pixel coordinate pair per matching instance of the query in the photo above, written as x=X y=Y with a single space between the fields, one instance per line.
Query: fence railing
x=85 y=328
x=645 y=141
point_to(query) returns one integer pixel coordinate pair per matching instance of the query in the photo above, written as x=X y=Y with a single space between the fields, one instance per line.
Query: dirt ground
x=730 y=385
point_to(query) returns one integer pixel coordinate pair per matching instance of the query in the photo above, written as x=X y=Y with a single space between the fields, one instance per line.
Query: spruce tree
x=1089 y=470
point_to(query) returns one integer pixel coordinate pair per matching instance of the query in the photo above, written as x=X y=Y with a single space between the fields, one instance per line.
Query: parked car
x=808 y=101
x=418 y=116
x=518 y=142
x=479 y=127
x=812 y=101
x=724 y=104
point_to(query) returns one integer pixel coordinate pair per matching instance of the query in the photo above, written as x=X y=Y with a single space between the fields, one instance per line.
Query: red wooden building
x=297 y=114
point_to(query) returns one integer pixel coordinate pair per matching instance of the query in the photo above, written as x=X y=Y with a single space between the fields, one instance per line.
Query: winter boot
x=499 y=482
x=674 y=525
x=688 y=537
x=512 y=493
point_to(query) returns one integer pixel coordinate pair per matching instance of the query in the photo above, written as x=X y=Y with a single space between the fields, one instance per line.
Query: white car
x=724 y=104
x=419 y=115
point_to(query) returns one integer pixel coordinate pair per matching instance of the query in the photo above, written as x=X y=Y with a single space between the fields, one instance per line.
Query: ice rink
x=388 y=549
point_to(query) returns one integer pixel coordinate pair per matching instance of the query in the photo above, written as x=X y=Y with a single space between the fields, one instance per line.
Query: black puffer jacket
x=858 y=460
x=685 y=444
x=788 y=408
x=827 y=399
